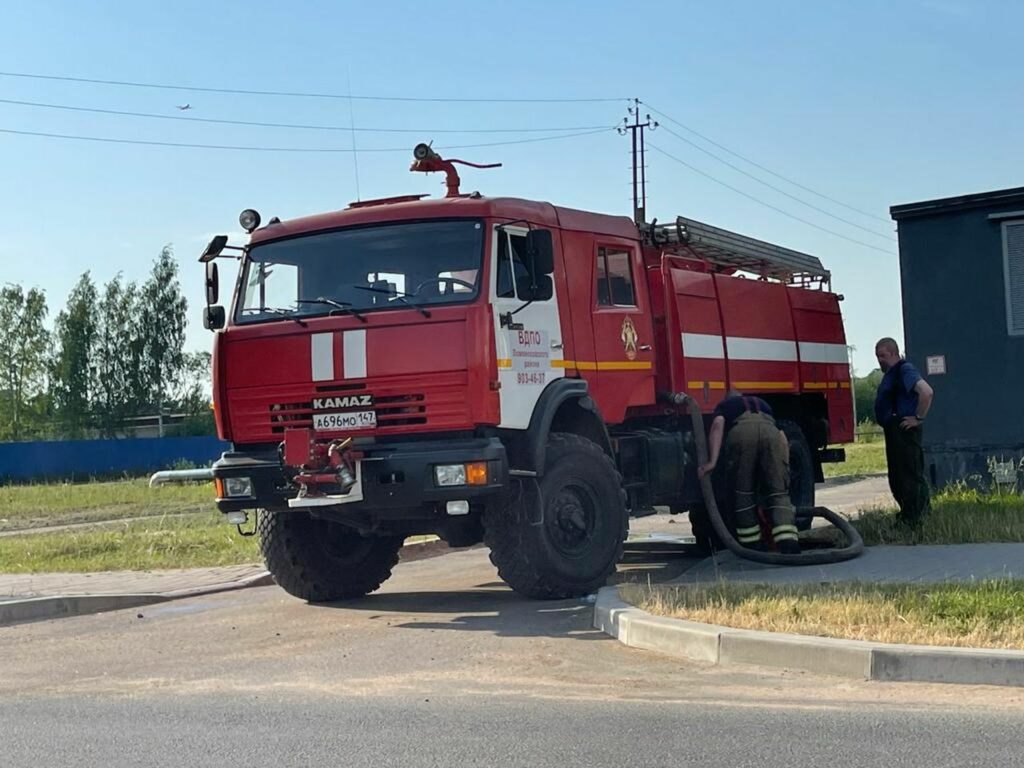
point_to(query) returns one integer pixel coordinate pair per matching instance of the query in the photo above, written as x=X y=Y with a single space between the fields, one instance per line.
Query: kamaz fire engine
x=499 y=370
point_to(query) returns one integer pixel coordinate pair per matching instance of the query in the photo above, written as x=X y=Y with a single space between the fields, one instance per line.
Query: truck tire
x=320 y=560
x=801 y=472
x=562 y=535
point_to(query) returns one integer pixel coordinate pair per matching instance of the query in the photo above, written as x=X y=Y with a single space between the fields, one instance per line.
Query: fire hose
x=854 y=548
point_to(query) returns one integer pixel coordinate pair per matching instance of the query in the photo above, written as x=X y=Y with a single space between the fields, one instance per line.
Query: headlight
x=450 y=474
x=237 y=486
x=474 y=473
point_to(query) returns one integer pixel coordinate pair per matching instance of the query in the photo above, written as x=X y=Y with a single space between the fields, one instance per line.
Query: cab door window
x=511 y=264
x=615 y=278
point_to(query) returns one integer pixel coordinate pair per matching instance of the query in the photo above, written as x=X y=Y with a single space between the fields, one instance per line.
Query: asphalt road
x=446 y=667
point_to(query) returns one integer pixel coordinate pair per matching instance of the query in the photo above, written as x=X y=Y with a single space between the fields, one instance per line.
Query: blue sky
x=871 y=103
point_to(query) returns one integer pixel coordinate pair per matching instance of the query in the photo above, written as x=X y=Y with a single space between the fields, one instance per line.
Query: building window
x=1013 y=264
x=614 y=278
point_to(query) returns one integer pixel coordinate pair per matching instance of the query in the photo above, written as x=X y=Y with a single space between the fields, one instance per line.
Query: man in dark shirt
x=757 y=458
x=901 y=404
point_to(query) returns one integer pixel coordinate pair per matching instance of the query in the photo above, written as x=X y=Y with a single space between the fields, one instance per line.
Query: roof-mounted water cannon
x=426 y=160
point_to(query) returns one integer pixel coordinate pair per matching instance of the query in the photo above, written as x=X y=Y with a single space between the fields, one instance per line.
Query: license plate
x=344 y=421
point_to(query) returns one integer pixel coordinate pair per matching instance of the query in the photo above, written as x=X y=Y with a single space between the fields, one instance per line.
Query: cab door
x=527 y=334
x=623 y=329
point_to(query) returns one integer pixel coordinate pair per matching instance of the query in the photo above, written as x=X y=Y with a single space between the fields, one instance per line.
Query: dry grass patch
x=985 y=614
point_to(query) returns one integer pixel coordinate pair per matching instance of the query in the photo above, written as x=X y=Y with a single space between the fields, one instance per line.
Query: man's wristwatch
x=919 y=418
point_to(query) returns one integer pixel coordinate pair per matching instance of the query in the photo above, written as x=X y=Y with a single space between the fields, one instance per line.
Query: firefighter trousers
x=757 y=463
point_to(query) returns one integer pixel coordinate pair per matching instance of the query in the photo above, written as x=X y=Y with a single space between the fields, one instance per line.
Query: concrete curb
x=63 y=606
x=23 y=610
x=820 y=655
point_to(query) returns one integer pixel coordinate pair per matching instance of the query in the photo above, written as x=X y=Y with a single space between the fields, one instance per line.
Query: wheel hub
x=571 y=519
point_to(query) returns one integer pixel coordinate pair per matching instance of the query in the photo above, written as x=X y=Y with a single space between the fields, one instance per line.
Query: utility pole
x=636 y=130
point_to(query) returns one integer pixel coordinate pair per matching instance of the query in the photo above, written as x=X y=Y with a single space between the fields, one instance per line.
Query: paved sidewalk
x=22 y=585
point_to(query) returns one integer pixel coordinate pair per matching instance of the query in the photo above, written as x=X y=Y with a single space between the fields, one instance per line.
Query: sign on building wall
x=936 y=364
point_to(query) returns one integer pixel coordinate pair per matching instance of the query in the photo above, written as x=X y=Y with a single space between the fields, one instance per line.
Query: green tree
x=76 y=329
x=116 y=356
x=864 y=388
x=161 y=332
x=24 y=349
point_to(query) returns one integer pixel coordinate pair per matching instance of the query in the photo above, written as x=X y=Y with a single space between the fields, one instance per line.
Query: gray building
x=962 y=273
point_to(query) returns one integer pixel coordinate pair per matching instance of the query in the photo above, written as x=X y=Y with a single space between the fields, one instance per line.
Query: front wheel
x=562 y=535
x=320 y=560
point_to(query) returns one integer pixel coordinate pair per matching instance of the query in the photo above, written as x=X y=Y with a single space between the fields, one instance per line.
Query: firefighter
x=757 y=460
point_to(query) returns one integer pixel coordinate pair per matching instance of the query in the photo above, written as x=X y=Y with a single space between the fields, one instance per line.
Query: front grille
x=400 y=403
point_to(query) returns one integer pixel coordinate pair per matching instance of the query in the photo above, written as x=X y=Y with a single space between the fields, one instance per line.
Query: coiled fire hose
x=815 y=557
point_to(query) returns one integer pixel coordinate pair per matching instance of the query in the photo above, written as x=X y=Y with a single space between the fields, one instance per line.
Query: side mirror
x=540 y=252
x=542 y=290
x=214 y=318
x=213 y=250
x=212 y=283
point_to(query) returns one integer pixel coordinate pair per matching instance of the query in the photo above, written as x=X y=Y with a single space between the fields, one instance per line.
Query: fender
x=527 y=449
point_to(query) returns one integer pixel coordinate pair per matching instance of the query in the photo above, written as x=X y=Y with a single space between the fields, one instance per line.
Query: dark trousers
x=757 y=463
x=905 y=461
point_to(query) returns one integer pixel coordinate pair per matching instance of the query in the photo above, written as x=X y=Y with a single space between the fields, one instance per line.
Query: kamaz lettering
x=346 y=401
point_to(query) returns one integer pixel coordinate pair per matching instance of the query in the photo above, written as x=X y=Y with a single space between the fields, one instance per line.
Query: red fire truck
x=499 y=370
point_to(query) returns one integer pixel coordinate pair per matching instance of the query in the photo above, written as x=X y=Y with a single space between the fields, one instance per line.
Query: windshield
x=353 y=271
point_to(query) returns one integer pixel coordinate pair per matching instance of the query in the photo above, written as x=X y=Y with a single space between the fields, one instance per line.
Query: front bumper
x=396 y=479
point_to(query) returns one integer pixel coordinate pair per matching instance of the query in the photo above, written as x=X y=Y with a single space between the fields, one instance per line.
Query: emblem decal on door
x=629 y=338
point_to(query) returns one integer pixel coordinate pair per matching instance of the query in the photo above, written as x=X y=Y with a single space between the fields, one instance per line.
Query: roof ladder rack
x=729 y=249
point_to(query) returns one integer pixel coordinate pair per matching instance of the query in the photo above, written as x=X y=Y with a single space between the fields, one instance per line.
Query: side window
x=614 y=278
x=511 y=266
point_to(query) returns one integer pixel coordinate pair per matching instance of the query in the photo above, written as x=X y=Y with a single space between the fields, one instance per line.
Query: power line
x=777 y=189
x=333 y=150
x=305 y=95
x=302 y=126
x=763 y=168
x=769 y=205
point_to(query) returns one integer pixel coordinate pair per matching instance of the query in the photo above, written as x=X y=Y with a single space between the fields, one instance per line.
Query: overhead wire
x=332 y=150
x=768 y=205
x=781 y=191
x=300 y=126
x=762 y=167
x=309 y=95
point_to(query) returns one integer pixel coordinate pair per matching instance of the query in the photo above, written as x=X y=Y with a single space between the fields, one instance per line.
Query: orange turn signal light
x=476 y=473
x=218 y=486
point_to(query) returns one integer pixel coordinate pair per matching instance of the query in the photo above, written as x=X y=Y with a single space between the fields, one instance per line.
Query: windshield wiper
x=289 y=313
x=345 y=306
x=402 y=297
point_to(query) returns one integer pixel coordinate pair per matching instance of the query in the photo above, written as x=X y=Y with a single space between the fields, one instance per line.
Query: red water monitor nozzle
x=426 y=160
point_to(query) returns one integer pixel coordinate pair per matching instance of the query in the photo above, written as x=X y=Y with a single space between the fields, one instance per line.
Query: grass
x=984 y=614
x=959 y=515
x=862 y=458
x=33 y=506
x=202 y=540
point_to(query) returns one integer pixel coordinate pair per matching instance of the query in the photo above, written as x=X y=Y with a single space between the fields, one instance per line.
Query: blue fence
x=84 y=458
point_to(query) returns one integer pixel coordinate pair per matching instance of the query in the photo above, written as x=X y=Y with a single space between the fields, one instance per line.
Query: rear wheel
x=320 y=560
x=562 y=535
x=801 y=472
